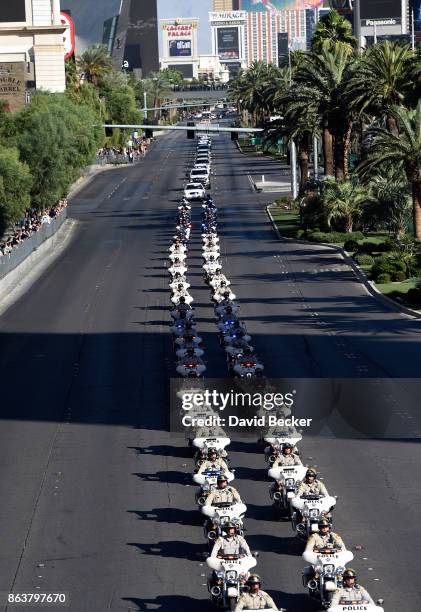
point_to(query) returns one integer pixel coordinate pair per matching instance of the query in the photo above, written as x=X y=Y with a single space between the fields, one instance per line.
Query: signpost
x=12 y=84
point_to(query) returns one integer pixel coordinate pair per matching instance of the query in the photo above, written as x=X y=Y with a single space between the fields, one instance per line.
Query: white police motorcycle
x=312 y=508
x=328 y=565
x=230 y=576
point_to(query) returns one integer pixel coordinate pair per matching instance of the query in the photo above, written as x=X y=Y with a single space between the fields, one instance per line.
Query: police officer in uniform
x=255 y=599
x=231 y=543
x=287 y=457
x=223 y=493
x=213 y=462
x=312 y=486
x=350 y=591
x=325 y=538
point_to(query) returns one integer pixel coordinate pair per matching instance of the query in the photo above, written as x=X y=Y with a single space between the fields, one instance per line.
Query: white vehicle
x=232 y=572
x=202 y=166
x=213 y=252
x=178 y=248
x=190 y=369
x=177 y=255
x=201 y=176
x=218 y=294
x=180 y=327
x=211 y=267
x=289 y=477
x=177 y=267
x=194 y=191
x=175 y=313
x=312 y=508
x=218 y=442
x=223 y=513
x=175 y=299
x=211 y=475
x=289 y=435
x=329 y=566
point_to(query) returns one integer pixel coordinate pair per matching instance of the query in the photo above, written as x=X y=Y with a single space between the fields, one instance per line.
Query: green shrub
x=363 y=259
x=386 y=265
x=335 y=237
x=351 y=245
x=399 y=276
x=383 y=278
x=301 y=233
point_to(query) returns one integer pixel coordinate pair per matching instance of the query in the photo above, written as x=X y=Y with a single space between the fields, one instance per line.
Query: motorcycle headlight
x=314 y=513
x=306 y=512
x=231 y=575
x=340 y=569
x=220 y=574
x=289 y=482
x=328 y=570
x=205 y=487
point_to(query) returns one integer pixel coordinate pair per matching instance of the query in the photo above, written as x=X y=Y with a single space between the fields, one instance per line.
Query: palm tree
x=333 y=28
x=317 y=90
x=380 y=80
x=402 y=148
x=95 y=63
x=158 y=87
x=343 y=201
x=250 y=89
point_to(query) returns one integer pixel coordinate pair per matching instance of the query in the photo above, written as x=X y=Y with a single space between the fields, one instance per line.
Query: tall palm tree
x=343 y=201
x=317 y=90
x=404 y=148
x=250 y=89
x=95 y=63
x=158 y=87
x=380 y=80
x=333 y=28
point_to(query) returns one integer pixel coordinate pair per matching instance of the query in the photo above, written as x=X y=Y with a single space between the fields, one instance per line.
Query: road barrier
x=29 y=245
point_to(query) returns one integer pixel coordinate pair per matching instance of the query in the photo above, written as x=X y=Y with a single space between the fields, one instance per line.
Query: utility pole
x=375 y=32
x=293 y=148
x=145 y=105
x=357 y=23
x=413 y=30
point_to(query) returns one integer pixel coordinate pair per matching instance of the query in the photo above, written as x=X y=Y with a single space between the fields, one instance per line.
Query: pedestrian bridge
x=197 y=92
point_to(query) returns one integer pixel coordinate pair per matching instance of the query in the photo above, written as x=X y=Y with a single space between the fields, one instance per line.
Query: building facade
x=229 y=38
x=261 y=35
x=136 y=39
x=180 y=46
x=31 y=49
x=225 y=5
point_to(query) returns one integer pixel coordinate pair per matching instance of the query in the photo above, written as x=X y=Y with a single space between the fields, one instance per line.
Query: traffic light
x=148 y=131
x=190 y=133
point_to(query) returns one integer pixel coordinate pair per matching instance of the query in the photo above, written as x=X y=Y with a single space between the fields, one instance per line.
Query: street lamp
x=293 y=148
x=357 y=23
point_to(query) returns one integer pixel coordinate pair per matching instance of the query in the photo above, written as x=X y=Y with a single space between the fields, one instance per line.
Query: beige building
x=31 y=44
x=223 y=5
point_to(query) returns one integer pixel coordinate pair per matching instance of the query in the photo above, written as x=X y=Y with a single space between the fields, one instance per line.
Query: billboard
x=378 y=9
x=69 y=35
x=179 y=30
x=13 y=12
x=180 y=48
x=228 y=43
x=272 y=6
x=12 y=84
x=283 y=49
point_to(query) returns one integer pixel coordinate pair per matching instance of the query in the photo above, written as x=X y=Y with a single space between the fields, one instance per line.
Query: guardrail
x=24 y=249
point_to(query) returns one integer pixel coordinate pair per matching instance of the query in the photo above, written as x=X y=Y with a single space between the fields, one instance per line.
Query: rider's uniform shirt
x=234 y=545
x=315 y=488
x=286 y=460
x=218 y=464
x=228 y=495
x=354 y=593
x=255 y=601
x=317 y=540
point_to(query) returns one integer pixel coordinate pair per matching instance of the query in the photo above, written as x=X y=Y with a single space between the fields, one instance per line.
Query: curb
x=359 y=273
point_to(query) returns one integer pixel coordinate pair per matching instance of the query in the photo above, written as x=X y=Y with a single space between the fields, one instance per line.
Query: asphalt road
x=96 y=492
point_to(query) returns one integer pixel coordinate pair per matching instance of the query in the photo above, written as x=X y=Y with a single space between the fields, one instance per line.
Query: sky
x=89 y=16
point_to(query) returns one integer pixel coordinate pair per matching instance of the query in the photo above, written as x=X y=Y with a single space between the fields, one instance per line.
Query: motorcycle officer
x=223 y=493
x=350 y=591
x=255 y=599
x=287 y=457
x=325 y=538
x=231 y=543
x=311 y=485
x=213 y=462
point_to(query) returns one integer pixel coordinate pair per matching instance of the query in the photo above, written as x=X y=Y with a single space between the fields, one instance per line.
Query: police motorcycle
x=219 y=293
x=221 y=309
x=207 y=481
x=177 y=247
x=230 y=573
x=181 y=292
x=312 y=509
x=190 y=365
x=236 y=331
x=177 y=266
x=210 y=237
x=286 y=479
x=211 y=268
x=180 y=327
x=180 y=255
x=328 y=565
x=246 y=365
x=187 y=339
x=223 y=513
x=182 y=310
x=210 y=254
x=276 y=436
